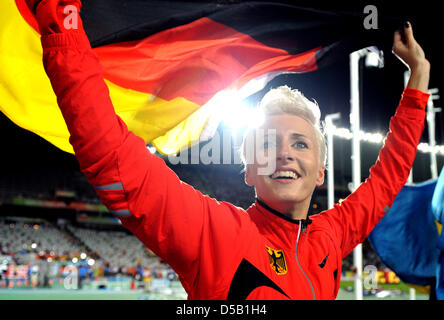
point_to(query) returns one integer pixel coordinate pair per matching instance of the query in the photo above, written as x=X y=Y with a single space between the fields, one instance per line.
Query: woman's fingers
x=407 y=49
x=399 y=47
x=397 y=37
x=408 y=34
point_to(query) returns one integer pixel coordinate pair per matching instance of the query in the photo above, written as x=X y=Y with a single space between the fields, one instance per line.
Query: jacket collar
x=274 y=223
x=303 y=222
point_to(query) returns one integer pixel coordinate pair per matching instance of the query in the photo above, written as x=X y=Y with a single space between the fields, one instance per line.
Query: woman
x=270 y=251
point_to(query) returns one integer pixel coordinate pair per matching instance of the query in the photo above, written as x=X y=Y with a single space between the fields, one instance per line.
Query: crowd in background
x=26 y=254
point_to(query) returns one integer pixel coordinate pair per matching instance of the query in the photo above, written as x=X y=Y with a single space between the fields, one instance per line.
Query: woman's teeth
x=284 y=174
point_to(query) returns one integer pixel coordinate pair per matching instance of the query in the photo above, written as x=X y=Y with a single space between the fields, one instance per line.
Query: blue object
x=406 y=238
x=438 y=212
x=438 y=199
x=440 y=270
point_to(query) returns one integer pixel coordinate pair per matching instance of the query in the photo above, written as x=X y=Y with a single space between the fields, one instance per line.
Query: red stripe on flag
x=195 y=61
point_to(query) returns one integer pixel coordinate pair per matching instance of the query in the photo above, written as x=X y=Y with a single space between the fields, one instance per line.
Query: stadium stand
x=117 y=248
x=24 y=241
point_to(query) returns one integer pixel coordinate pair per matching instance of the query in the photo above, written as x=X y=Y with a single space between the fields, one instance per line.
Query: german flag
x=166 y=62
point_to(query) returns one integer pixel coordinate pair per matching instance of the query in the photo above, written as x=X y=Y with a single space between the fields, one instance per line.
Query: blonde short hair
x=284 y=100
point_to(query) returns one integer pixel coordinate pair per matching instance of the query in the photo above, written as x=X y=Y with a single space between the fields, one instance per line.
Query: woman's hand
x=411 y=54
x=56 y=16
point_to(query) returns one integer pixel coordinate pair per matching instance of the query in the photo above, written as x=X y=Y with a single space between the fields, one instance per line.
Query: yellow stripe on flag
x=421 y=289
x=26 y=96
x=438 y=226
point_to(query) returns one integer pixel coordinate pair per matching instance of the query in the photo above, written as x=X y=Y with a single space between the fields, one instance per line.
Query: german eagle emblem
x=277 y=261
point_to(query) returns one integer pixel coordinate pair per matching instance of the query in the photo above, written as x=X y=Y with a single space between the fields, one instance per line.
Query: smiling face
x=298 y=168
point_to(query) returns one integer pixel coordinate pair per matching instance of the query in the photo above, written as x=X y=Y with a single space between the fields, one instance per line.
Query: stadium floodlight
x=371 y=137
x=378 y=138
x=34 y=245
x=356 y=157
x=330 y=163
x=374 y=57
x=431 y=111
x=83 y=256
x=75 y=260
x=91 y=262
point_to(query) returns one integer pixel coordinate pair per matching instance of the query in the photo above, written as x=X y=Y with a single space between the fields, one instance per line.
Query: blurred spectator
x=82 y=274
x=43 y=272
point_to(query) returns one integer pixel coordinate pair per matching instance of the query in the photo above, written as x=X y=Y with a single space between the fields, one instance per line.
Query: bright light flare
x=234 y=112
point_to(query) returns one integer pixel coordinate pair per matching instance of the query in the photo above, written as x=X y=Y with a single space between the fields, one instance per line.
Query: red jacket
x=219 y=251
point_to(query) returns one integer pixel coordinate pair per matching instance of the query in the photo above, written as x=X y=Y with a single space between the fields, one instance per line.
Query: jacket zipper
x=297 y=260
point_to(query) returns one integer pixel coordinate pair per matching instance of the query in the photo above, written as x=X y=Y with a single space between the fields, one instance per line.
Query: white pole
x=412 y=294
x=406 y=80
x=432 y=142
x=412 y=291
x=330 y=160
x=356 y=155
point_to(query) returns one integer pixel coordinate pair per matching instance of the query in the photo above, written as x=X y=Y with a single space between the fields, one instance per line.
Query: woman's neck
x=296 y=211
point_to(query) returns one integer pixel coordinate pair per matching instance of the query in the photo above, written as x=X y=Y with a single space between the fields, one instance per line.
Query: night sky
x=330 y=87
